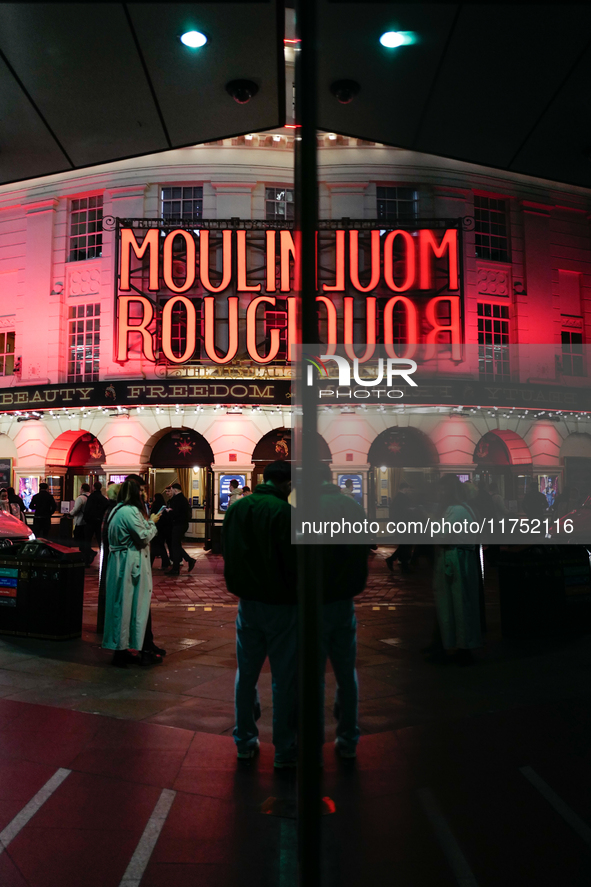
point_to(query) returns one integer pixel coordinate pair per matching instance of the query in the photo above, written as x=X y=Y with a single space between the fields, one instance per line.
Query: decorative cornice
x=50 y=204
x=536 y=209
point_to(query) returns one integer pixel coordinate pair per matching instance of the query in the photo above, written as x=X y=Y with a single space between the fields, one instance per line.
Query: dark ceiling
x=500 y=85
x=86 y=83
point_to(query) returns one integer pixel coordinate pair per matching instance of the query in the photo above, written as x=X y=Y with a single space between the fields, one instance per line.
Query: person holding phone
x=159 y=544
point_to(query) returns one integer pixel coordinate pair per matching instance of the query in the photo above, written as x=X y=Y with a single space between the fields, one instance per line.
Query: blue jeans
x=339 y=643
x=266 y=630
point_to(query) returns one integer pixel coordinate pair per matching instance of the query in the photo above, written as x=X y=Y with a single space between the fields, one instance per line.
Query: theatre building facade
x=148 y=317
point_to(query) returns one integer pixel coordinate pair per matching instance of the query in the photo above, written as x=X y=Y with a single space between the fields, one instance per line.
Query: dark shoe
x=390 y=562
x=192 y=563
x=158 y=650
x=173 y=572
x=345 y=751
x=148 y=658
x=166 y=566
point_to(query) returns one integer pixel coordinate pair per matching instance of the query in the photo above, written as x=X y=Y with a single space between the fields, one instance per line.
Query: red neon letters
x=400 y=262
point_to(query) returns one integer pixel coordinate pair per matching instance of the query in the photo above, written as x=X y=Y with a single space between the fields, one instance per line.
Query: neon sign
x=404 y=279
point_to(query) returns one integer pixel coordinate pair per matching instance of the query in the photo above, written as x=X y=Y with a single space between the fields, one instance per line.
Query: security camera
x=242 y=90
x=344 y=90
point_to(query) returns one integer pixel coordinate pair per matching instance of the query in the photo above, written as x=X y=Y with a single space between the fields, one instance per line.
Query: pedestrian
x=44 y=505
x=94 y=511
x=77 y=513
x=344 y=575
x=246 y=491
x=259 y=568
x=401 y=511
x=129 y=578
x=456 y=583
x=179 y=508
x=347 y=490
x=17 y=506
x=235 y=492
x=501 y=509
x=483 y=504
x=566 y=502
x=534 y=503
x=158 y=545
x=4 y=503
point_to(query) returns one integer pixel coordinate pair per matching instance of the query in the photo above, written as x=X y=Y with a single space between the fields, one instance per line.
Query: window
x=178 y=328
x=278 y=203
x=399 y=331
x=83 y=343
x=396 y=203
x=182 y=203
x=491 y=229
x=493 y=341
x=7 y=354
x=86 y=229
x=276 y=320
x=572 y=354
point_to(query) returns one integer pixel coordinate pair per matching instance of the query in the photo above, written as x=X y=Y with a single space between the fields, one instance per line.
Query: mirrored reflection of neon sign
x=398 y=267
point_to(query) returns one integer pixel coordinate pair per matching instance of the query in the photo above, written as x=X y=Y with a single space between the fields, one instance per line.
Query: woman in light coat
x=129 y=575
x=456 y=583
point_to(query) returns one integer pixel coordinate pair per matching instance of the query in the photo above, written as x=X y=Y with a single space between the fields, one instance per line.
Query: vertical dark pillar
x=309 y=596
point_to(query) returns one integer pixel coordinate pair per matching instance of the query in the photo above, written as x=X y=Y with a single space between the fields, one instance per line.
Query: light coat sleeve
x=140 y=530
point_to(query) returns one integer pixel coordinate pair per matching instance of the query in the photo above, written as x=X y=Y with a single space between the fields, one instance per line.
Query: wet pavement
x=476 y=776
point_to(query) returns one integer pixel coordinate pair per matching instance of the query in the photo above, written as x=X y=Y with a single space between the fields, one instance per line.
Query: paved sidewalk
x=205 y=584
x=492 y=801
x=479 y=777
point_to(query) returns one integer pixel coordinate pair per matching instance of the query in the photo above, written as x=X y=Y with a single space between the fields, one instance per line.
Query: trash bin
x=544 y=590
x=66 y=527
x=41 y=591
x=216 y=539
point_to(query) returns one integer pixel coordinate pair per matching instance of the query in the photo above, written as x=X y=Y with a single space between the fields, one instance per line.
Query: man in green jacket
x=259 y=568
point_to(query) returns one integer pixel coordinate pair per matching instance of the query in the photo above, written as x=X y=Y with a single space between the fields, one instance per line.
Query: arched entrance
x=183 y=456
x=277 y=445
x=575 y=455
x=397 y=455
x=8 y=459
x=503 y=458
x=74 y=458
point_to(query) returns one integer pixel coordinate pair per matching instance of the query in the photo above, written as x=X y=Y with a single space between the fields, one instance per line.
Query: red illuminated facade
x=154 y=301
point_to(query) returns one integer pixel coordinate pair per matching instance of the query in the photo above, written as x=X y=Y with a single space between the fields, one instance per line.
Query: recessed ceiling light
x=392 y=39
x=193 y=39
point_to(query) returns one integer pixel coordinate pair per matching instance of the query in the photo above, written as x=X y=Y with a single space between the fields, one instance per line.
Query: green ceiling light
x=193 y=39
x=393 y=39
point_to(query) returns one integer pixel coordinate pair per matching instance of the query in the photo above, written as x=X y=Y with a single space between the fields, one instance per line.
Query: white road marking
x=456 y=859
x=29 y=810
x=569 y=816
x=141 y=857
